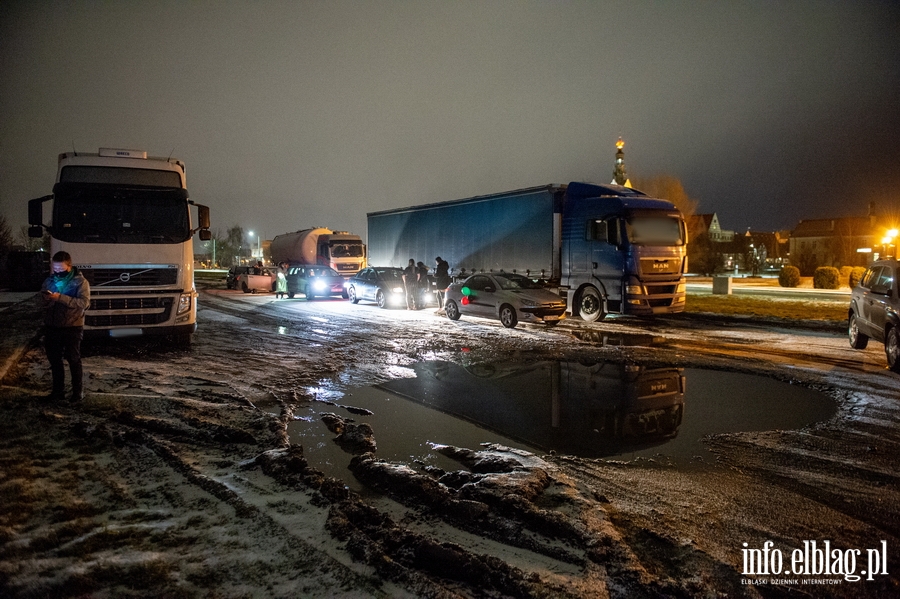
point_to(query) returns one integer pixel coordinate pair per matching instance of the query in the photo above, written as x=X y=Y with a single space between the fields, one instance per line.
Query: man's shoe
x=76 y=397
x=55 y=396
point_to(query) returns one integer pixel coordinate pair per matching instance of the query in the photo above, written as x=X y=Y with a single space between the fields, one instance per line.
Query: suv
x=234 y=276
x=874 y=305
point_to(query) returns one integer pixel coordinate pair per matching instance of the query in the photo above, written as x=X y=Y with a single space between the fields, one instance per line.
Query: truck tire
x=352 y=293
x=452 y=310
x=182 y=340
x=244 y=287
x=590 y=305
x=508 y=316
x=857 y=340
x=380 y=299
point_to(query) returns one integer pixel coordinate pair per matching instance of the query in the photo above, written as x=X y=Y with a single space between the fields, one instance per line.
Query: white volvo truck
x=126 y=220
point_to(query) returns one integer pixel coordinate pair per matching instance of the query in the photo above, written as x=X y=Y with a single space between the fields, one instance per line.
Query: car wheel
x=508 y=316
x=244 y=287
x=857 y=340
x=352 y=294
x=590 y=305
x=309 y=296
x=380 y=299
x=452 y=310
x=345 y=295
x=892 y=349
x=551 y=323
x=291 y=294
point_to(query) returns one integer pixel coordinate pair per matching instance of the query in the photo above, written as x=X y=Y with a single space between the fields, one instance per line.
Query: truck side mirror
x=203 y=217
x=36 y=231
x=205 y=235
x=36 y=212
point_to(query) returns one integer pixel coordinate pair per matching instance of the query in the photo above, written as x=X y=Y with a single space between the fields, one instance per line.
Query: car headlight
x=529 y=304
x=319 y=285
x=397 y=290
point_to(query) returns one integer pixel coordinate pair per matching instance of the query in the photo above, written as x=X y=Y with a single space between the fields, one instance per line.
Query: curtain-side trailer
x=126 y=221
x=606 y=248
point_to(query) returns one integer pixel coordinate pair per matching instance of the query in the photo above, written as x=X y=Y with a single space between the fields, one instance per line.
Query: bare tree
x=667 y=187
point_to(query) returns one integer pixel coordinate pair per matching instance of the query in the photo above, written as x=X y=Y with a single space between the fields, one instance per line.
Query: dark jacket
x=442 y=275
x=75 y=297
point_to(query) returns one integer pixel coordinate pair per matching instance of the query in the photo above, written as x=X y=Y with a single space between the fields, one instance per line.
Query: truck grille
x=130 y=276
x=661 y=266
x=157 y=311
x=348 y=266
x=130 y=303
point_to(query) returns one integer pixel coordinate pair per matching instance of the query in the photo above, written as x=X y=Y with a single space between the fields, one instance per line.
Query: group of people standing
x=416 y=282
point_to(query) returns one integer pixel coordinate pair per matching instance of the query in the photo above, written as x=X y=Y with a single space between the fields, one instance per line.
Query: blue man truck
x=607 y=249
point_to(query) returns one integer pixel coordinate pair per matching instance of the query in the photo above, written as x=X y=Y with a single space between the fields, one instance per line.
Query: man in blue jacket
x=66 y=294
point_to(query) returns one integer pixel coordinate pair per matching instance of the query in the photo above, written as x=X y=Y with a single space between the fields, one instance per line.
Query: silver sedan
x=508 y=297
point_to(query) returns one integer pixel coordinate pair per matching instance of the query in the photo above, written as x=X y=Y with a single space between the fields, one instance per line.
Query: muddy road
x=256 y=464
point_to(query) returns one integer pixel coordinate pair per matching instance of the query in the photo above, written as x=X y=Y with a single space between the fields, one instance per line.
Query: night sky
x=298 y=114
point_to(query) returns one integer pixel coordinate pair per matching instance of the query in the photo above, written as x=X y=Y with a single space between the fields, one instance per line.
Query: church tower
x=620 y=177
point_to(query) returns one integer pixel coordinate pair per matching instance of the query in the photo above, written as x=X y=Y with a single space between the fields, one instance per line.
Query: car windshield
x=323 y=271
x=665 y=229
x=515 y=282
x=390 y=274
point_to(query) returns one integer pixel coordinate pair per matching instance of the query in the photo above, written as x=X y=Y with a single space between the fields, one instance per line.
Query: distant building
x=708 y=225
x=848 y=241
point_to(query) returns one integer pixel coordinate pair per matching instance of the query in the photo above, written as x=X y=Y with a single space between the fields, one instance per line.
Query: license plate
x=551 y=318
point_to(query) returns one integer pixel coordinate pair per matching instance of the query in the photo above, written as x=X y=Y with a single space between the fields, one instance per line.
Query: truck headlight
x=184 y=303
x=634 y=289
x=681 y=288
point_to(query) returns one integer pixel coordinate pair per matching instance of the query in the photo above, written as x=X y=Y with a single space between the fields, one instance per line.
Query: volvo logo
x=125 y=277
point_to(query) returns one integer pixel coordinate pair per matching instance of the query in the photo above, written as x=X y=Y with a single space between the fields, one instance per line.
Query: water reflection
x=582 y=409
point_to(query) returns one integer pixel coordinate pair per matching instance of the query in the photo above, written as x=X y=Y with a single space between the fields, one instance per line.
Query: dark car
x=506 y=296
x=232 y=279
x=382 y=285
x=874 y=305
x=315 y=281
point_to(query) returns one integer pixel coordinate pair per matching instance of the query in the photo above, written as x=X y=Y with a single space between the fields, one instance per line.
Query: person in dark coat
x=411 y=282
x=424 y=285
x=441 y=279
x=66 y=295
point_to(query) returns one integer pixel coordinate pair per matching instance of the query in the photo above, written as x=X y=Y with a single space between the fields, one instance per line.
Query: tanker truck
x=340 y=250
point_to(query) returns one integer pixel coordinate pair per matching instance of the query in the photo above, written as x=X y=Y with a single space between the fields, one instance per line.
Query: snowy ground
x=177 y=477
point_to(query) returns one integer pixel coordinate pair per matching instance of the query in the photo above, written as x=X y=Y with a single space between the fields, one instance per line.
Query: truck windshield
x=649 y=229
x=112 y=175
x=114 y=214
x=346 y=250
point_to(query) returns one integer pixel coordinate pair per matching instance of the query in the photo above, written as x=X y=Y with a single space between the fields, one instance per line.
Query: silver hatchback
x=509 y=297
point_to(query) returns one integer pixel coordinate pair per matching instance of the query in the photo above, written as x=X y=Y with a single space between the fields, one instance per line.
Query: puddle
x=589 y=410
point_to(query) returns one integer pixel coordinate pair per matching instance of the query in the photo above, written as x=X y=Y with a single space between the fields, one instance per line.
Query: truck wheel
x=508 y=316
x=857 y=340
x=590 y=305
x=352 y=294
x=452 y=310
x=244 y=287
x=182 y=340
x=892 y=349
x=380 y=299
